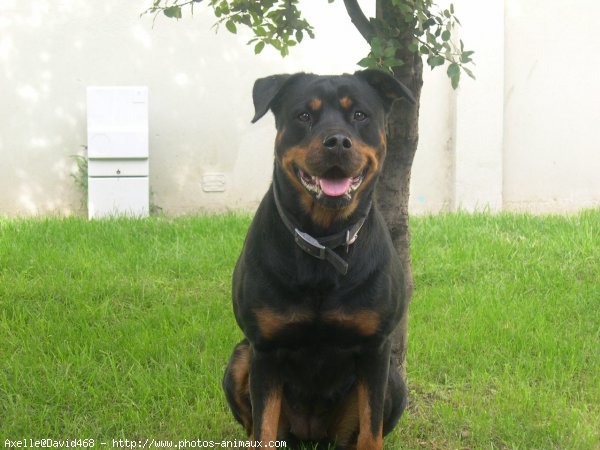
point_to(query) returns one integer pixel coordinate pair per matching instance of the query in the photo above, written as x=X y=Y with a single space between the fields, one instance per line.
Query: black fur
x=317 y=343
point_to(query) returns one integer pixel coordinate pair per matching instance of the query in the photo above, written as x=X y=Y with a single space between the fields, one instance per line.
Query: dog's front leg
x=373 y=374
x=265 y=394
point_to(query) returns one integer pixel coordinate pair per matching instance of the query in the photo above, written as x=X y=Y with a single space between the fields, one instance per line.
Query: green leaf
x=429 y=23
x=389 y=52
x=454 y=74
x=367 y=62
x=299 y=36
x=465 y=57
x=275 y=43
x=230 y=25
x=453 y=70
x=393 y=62
x=455 y=80
x=259 y=47
x=246 y=20
x=173 y=12
x=468 y=72
x=225 y=7
x=406 y=9
x=446 y=35
x=376 y=49
x=431 y=39
x=435 y=61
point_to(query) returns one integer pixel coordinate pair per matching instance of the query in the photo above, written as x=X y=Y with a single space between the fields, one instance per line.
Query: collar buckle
x=351 y=239
x=309 y=244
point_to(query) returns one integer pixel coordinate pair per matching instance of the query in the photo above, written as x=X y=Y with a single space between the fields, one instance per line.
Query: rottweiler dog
x=318 y=287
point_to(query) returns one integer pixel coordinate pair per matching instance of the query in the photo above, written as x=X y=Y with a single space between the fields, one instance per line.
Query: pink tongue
x=335 y=188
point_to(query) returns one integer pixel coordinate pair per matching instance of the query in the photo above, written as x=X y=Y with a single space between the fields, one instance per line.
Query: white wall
x=552 y=105
x=200 y=97
x=480 y=109
x=521 y=137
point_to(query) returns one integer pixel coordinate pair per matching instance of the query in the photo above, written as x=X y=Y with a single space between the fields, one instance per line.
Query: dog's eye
x=304 y=117
x=359 y=116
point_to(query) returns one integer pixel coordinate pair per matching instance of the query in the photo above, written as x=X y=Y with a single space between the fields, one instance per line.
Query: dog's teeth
x=348 y=196
x=356 y=184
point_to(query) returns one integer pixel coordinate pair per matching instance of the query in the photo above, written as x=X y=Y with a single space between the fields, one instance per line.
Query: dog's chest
x=318 y=319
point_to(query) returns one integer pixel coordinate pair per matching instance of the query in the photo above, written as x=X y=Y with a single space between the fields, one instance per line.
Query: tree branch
x=360 y=21
x=288 y=11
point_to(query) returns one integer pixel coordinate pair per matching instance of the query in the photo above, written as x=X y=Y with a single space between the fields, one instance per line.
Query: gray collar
x=322 y=247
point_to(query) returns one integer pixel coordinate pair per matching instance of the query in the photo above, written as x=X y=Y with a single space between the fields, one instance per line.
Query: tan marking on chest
x=365 y=322
x=272 y=322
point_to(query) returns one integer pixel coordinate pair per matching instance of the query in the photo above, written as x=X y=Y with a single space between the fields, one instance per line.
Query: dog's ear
x=264 y=92
x=388 y=88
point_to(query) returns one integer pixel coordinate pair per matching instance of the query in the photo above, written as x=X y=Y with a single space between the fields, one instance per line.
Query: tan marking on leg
x=345 y=424
x=270 y=417
x=366 y=439
x=240 y=374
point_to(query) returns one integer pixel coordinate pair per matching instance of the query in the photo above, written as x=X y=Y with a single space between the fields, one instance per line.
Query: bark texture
x=393 y=189
x=394 y=184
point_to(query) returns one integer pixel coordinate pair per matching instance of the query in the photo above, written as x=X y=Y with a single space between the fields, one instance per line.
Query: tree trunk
x=402 y=137
x=394 y=184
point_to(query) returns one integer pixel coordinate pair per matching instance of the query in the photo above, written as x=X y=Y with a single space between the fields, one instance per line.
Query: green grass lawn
x=121 y=329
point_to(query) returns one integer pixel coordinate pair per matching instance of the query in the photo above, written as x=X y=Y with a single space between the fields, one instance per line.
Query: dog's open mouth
x=332 y=184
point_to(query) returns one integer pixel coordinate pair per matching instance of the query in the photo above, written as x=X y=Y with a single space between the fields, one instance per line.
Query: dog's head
x=331 y=139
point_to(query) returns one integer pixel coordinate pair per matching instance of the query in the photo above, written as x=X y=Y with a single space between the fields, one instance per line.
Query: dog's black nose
x=337 y=141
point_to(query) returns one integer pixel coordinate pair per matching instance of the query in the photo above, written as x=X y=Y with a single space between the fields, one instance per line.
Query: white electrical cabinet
x=118 y=168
